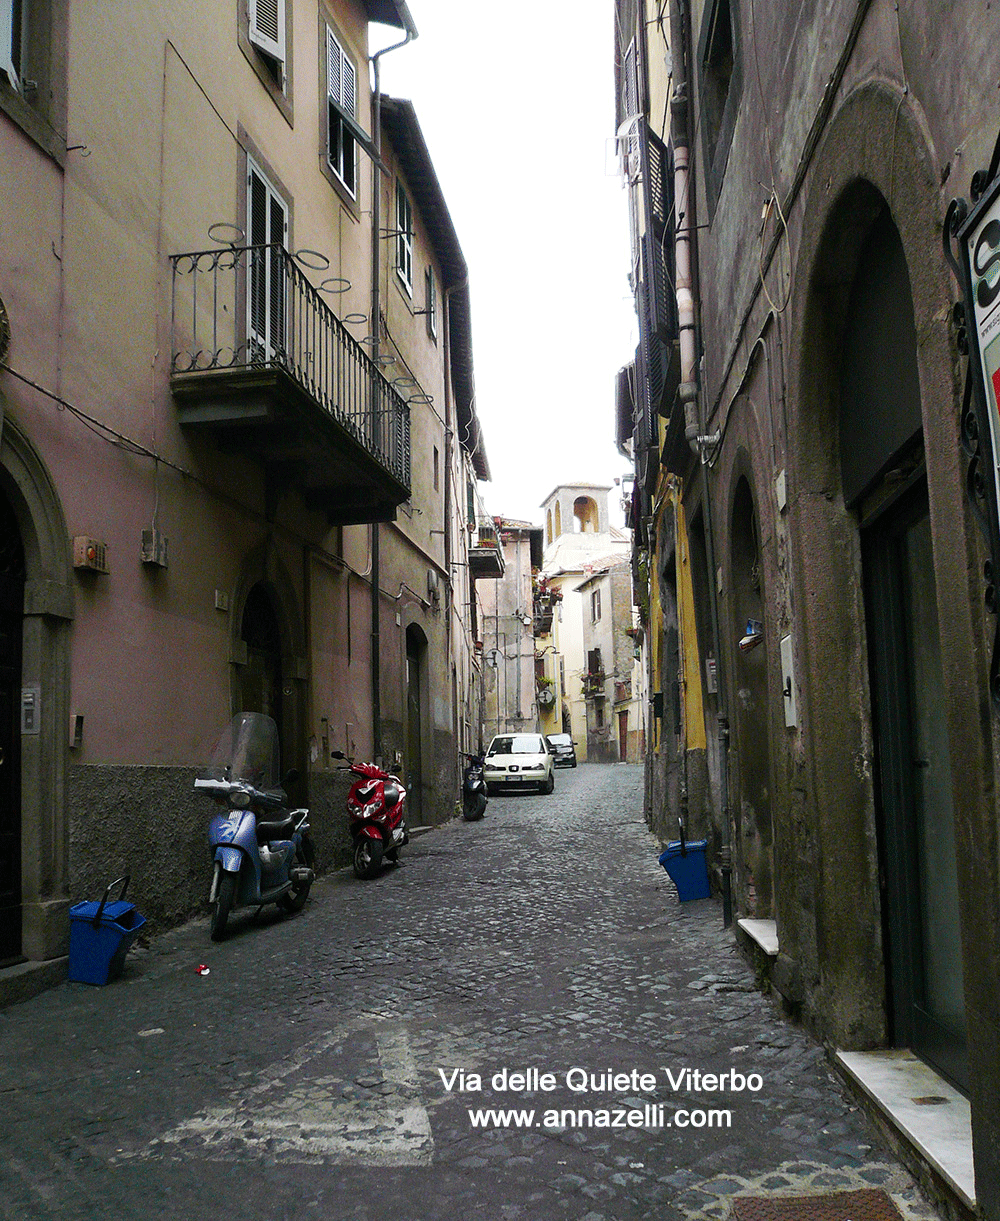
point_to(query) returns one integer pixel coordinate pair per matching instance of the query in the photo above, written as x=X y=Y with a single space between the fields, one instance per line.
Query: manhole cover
x=869 y=1205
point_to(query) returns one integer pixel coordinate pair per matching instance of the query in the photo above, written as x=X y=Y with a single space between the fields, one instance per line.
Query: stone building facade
x=815 y=509
x=230 y=469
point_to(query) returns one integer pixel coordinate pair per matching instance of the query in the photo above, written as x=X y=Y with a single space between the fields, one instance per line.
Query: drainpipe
x=376 y=630
x=449 y=449
x=680 y=37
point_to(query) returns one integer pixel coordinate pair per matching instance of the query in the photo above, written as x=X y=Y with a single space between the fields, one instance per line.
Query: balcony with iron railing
x=260 y=361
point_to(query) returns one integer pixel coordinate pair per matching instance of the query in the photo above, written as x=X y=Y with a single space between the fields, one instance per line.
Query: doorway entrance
x=415 y=649
x=11 y=631
x=261 y=679
x=915 y=815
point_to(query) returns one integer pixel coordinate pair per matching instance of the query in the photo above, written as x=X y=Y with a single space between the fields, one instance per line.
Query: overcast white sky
x=516 y=103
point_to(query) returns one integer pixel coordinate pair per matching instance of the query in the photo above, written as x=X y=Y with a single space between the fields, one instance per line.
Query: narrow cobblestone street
x=317 y=1071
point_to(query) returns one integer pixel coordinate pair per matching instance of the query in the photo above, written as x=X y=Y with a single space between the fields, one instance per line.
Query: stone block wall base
x=27 y=979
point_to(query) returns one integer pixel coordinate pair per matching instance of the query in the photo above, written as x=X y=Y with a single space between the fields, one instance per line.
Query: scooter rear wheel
x=367 y=857
x=295 y=900
x=225 y=899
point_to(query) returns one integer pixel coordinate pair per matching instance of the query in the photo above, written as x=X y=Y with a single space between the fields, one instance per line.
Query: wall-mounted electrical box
x=90 y=554
x=75 y=730
x=31 y=710
x=154 y=548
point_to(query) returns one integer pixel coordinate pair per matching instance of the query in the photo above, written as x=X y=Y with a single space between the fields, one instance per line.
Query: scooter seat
x=275 y=830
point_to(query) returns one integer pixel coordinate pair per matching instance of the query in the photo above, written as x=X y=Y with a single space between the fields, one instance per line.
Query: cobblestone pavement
x=318 y=1070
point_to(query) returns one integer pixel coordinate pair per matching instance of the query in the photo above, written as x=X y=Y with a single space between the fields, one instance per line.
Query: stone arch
x=265 y=586
x=45 y=667
x=874 y=158
x=752 y=809
x=586 y=515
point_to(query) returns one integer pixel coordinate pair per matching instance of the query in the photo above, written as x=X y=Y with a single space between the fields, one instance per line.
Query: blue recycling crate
x=685 y=862
x=100 y=935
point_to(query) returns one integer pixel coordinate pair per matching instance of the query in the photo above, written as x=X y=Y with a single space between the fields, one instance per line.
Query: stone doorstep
x=28 y=979
x=931 y=1115
x=764 y=932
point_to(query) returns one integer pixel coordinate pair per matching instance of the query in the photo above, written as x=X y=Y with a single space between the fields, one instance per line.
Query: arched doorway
x=416 y=653
x=265 y=676
x=12 y=575
x=885 y=484
x=754 y=833
x=261 y=677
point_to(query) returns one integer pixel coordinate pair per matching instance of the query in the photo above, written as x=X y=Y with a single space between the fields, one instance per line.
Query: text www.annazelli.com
x=653 y=1115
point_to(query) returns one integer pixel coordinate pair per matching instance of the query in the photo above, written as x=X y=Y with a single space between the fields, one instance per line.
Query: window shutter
x=630 y=108
x=334 y=58
x=341 y=76
x=267 y=227
x=7 y=42
x=349 y=88
x=267 y=27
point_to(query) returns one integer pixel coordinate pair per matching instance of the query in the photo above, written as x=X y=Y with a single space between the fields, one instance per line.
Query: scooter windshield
x=248 y=750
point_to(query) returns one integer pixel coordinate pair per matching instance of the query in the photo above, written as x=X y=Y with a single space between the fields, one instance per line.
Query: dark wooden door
x=917 y=829
x=11 y=615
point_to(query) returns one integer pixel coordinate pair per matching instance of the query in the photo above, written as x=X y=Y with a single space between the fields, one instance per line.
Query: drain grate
x=869 y=1205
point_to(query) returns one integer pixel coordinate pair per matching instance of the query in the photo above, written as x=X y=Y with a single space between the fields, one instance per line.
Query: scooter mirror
x=337 y=754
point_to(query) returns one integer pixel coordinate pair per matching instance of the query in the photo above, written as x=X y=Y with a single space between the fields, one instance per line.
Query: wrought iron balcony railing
x=246 y=309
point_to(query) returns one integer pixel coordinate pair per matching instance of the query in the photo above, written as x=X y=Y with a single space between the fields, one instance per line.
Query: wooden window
x=267 y=232
x=342 y=105
x=267 y=33
x=11 y=15
x=430 y=298
x=404 y=238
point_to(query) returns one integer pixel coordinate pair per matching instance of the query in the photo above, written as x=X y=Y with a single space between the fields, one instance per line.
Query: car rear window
x=517 y=744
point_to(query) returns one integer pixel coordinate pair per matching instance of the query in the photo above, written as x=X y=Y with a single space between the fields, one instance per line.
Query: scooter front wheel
x=225 y=900
x=367 y=857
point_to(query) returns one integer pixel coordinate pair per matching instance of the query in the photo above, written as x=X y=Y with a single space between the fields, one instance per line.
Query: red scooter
x=375 y=814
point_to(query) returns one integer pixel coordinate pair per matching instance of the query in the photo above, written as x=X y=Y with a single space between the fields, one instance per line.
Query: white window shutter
x=334 y=58
x=349 y=88
x=341 y=76
x=267 y=27
x=7 y=42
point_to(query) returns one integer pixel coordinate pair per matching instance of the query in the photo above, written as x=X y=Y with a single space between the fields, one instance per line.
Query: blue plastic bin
x=685 y=862
x=100 y=935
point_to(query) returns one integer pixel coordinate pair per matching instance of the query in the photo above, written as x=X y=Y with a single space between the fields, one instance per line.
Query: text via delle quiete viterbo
x=650 y=1114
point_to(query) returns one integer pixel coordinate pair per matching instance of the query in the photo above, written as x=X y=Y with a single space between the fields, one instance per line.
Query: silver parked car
x=519 y=760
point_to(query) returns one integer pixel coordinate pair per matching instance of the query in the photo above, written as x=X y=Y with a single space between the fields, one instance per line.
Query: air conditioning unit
x=90 y=554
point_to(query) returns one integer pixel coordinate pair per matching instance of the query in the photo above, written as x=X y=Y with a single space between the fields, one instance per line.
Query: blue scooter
x=262 y=852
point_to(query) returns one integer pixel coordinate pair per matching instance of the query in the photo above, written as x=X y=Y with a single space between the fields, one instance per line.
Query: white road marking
x=309 y=1120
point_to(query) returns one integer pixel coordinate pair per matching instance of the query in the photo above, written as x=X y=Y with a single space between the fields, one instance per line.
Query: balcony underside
x=265 y=414
x=486 y=562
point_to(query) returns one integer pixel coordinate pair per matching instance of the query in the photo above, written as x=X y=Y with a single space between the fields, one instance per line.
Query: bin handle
x=124 y=881
x=680 y=827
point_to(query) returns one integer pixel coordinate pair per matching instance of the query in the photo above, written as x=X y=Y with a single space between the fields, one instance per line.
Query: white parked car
x=519 y=760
